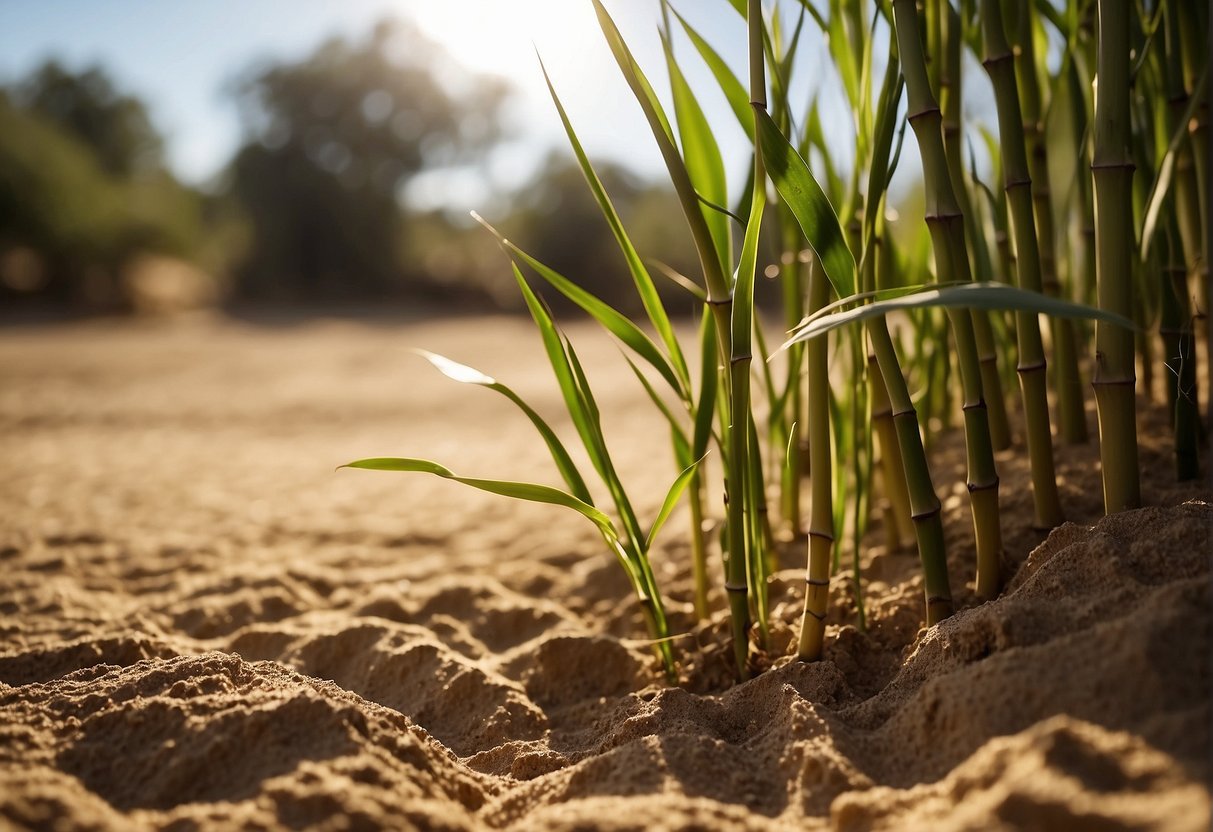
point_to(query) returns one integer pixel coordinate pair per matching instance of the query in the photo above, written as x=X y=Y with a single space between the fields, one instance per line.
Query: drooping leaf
x=615 y=322
x=529 y=491
x=991 y=296
x=469 y=375
x=809 y=205
x=640 y=276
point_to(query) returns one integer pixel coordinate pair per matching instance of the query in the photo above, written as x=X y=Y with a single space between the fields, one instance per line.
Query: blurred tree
x=333 y=140
x=86 y=105
x=70 y=218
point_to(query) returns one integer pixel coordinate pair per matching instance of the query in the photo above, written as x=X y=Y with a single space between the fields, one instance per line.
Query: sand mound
x=265 y=644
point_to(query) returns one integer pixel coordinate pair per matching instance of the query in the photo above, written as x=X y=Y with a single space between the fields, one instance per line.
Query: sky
x=182 y=57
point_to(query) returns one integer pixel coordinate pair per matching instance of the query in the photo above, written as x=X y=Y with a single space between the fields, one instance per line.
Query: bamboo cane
x=1112 y=170
x=946 y=224
x=1020 y=188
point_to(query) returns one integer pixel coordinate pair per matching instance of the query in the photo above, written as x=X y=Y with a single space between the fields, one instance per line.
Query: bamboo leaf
x=469 y=375
x=991 y=296
x=529 y=491
x=734 y=91
x=563 y=370
x=705 y=246
x=615 y=322
x=708 y=385
x=701 y=155
x=671 y=500
x=808 y=204
x=1162 y=182
x=640 y=276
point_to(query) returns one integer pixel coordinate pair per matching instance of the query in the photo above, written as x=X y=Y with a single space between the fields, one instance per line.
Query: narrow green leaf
x=709 y=380
x=640 y=276
x=991 y=296
x=671 y=500
x=615 y=322
x=734 y=91
x=1162 y=182
x=701 y=155
x=469 y=375
x=677 y=433
x=705 y=246
x=747 y=266
x=809 y=205
x=563 y=371
x=529 y=491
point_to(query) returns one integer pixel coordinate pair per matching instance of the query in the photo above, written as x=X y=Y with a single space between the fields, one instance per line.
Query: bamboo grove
x=1091 y=206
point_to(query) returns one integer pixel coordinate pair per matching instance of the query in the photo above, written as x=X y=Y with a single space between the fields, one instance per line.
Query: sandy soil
x=204 y=626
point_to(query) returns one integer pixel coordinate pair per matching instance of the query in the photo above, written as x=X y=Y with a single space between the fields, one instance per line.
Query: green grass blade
x=990 y=296
x=615 y=322
x=671 y=500
x=1162 y=182
x=809 y=205
x=705 y=246
x=610 y=477
x=709 y=381
x=529 y=491
x=734 y=91
x=563 y=371
x=679 y=435
x=640 y=276
x=469 y=375
x=679 y=279
x=701 y=155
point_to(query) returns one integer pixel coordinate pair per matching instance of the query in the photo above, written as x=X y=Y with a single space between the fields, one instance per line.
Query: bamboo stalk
x=821 y=509
x=950 y=96
x=1112 y=170
x=946 y=224
x=1067 y=381
x=1019 y=189
x=926 y=509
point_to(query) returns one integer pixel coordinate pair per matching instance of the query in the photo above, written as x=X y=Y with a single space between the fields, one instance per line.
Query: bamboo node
x=816 y=582
x=932 y=110
x=1024 y=369
x=732 y=587
x=975 y=487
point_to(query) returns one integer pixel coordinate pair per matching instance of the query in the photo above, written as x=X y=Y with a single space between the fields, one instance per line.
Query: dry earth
x=204 y=626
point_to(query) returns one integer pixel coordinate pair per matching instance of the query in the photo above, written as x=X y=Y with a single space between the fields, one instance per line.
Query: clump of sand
x=204 y=627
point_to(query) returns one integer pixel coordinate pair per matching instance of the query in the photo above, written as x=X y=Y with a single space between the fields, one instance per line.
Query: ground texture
x=203 y=625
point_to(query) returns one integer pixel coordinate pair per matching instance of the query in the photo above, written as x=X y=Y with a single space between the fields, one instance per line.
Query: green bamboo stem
x=1112 y=170
x=946 y=224
x=926 y=509
x=901 y=531
x=950 y=96
x=821 y=508
x=892 y=467
x=738 y=359
x=1067 y=381
x=1019 y=189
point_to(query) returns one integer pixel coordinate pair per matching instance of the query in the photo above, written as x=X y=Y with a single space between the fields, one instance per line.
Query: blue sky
x=179 y=56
